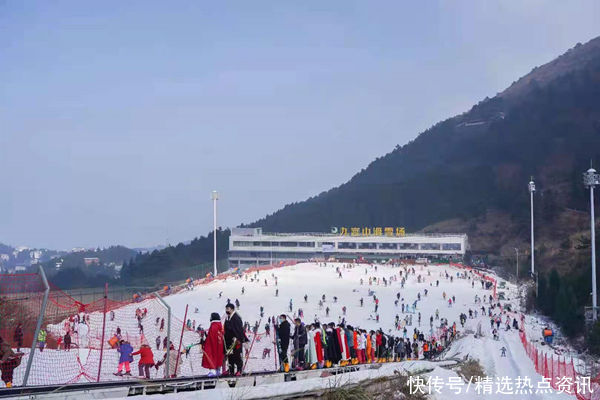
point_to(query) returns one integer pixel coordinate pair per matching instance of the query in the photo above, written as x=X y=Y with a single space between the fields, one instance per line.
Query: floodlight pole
x=590 y=180
x=531 y=191
x=517 y=251
x=215 y=197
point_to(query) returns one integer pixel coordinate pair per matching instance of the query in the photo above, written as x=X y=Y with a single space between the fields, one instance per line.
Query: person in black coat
x=283 y=333
x=67 y=341
x=19 y=337
x=234 y=338
x=300 y=339
x=333 y=345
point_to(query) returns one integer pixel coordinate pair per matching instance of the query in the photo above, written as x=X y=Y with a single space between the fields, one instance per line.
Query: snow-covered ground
x=316 y=280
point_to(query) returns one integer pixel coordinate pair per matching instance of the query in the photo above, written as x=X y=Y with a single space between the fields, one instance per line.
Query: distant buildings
x=35 y=255
x=91 y=261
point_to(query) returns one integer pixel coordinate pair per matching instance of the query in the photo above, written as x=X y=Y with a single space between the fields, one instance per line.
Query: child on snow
x=125 y=350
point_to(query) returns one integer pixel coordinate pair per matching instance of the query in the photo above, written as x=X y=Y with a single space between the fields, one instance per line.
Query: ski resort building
x=250 y=246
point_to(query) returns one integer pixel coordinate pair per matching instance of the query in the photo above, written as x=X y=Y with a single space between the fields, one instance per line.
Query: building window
x=307 y=244
x=408 y=246
x=388 y=246
x=346 y=245
x=367 y=245
x=451 y=246
x=430 y=246
x=289 y=244
x=236 y=243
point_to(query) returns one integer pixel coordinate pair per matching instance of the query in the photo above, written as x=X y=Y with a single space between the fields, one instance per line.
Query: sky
x=118 y=119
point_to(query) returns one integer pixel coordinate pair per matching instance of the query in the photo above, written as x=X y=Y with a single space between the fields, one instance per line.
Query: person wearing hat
x=234 y=338
x=300 y=338
x=146 y=360
x=212 y=357
x=174 y=362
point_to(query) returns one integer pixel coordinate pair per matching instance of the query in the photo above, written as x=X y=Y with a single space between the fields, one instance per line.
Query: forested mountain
x=469 y=174
x=176 y=262
x=70 y=270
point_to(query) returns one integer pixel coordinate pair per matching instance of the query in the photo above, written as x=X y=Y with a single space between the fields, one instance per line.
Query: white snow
x=313 y=280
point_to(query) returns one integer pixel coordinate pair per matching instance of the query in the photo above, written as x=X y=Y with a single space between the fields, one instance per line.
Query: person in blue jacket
x=125 y=358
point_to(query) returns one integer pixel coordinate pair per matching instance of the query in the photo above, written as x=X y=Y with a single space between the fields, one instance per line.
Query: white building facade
x=250 y=246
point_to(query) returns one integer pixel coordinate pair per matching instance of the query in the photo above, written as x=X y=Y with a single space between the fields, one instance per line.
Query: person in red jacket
x=212 y=357
x=319 y=344
x=146 y=360
x=378 y=342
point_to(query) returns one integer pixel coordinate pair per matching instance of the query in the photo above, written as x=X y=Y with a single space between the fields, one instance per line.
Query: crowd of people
x=303 y=343
x=314 y=344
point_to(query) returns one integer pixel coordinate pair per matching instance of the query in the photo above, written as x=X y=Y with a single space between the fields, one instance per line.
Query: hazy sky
x=118 y=118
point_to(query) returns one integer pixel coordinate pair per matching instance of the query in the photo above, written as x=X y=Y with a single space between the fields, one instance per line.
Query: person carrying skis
x=300 y=338
x=174 y=364
x=234 y=338
x=125 y=357
x=283 y=336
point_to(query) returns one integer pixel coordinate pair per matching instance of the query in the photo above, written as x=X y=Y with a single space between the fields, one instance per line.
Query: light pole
x=531 y=191
x=590 y=180
x=215 y=197
x=517 y=251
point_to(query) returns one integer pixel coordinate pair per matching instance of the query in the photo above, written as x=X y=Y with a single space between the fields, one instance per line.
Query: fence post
x=168 y=332
x=38 y=325
x=103 y=329
x=181 y=338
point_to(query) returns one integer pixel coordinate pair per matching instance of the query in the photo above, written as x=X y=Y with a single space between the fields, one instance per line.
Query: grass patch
x=355 y=393
x=471 y=369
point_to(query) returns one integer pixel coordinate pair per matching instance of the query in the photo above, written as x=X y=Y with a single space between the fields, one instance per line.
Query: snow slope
x=314 y=280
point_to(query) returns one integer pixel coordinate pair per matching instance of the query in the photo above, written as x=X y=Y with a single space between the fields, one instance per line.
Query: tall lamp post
x=215 y=197
x=531 y=191
x=533 y=273
x=517 y=251
x=590 y=180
